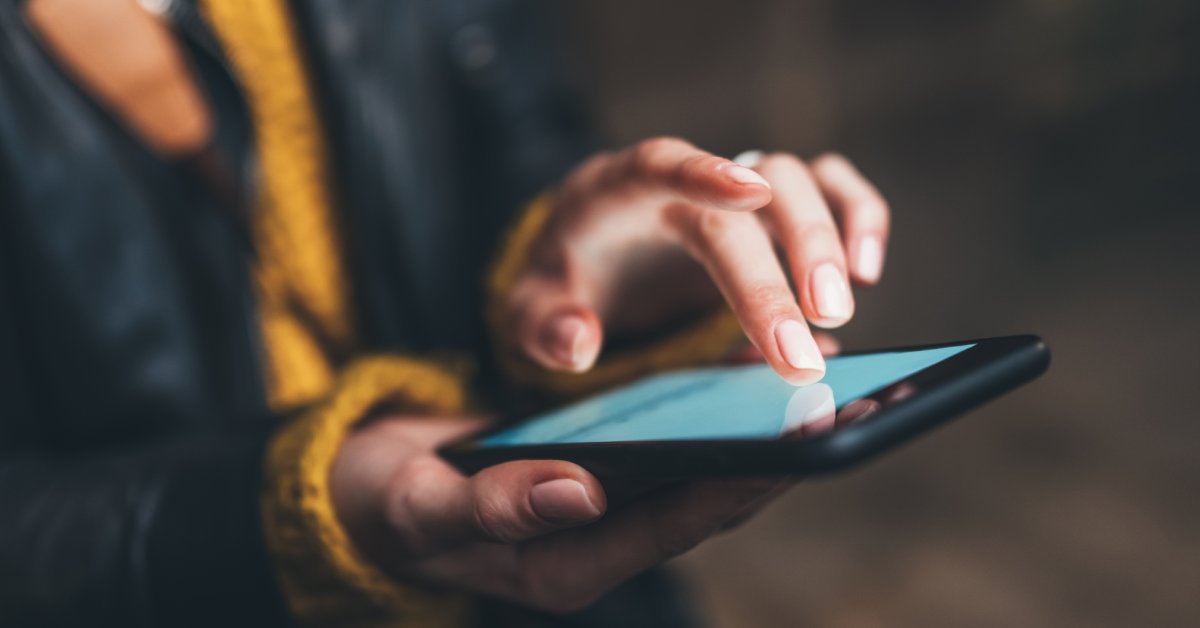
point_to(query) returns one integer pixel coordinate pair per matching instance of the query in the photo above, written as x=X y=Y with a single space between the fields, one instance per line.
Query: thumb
x=556 y=329
x=506 y=503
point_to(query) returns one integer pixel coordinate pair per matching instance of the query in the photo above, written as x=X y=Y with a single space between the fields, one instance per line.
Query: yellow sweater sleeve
x=324 y=580
x=306 y=312
x=707 y=341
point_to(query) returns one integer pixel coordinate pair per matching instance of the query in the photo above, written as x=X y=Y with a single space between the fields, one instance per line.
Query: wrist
x=359 y=478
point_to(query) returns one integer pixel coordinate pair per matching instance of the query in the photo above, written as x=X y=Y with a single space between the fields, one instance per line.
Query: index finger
x=678 y=171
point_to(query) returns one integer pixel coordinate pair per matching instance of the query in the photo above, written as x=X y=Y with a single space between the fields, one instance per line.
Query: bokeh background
x=1042 y=158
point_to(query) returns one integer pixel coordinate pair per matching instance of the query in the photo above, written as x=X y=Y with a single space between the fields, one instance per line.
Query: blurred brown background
x=1042 y=158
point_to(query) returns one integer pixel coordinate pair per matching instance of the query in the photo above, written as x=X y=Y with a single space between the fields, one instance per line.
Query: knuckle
x=413 y=539
x=402 y=504
x=680 y=218
x=766 y=307
x=657 y=145
x=716 y=230
x=875 y=212
x=495 y=518
x=880 y=208
x=864 y=200
x=411 y=472
x=645 y=155
x=592 y=166
x=867 y=211
x=788 y=167
x=831 y=160
x=593 y=172
x=773 y=302
x=814 y=234
x=693 y=168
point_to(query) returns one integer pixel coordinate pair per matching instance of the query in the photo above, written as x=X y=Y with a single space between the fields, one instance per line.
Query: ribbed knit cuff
x=324 y=579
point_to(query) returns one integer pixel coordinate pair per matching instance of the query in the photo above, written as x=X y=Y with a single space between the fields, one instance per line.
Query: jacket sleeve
x=161 y=532
x=535 y=125
x=200 y=530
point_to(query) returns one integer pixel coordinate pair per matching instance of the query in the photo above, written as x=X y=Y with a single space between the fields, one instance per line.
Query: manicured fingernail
x=569 y=334
x=743 y=175
x=799 y=349
x=870 y=259
x=857 y=410
x=563 y=501
x=831 y=293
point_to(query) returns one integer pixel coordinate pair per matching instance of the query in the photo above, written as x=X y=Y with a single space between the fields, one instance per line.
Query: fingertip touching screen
x=731 y=403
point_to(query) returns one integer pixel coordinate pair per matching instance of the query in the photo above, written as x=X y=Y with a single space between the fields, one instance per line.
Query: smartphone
x=745 y=420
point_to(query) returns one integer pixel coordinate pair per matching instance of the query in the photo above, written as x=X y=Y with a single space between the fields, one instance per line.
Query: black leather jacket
x=132 y=413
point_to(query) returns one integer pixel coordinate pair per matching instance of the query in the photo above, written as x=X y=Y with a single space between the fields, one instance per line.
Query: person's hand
x=513 y=531
x=638 y=239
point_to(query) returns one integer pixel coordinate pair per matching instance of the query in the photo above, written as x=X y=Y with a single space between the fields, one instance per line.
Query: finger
x=433 y=507
x=680 y=172
x=808 y=234
x=863 y=211
x=857 y=410
x=554 y=325
x=570 y=570
x=737 y=252
x=819 y=425
x=898 y=392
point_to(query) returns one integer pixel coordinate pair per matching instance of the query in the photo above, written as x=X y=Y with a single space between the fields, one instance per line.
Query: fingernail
x=857 y=410
x=569 y=335
x=870 y=258
x=743 y=175
x=799 y=350
x=563 y=501
x=831 y=293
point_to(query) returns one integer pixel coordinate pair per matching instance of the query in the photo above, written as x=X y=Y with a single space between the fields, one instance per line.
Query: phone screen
x=730 y=403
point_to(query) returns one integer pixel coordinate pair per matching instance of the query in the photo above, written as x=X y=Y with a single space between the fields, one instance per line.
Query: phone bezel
x=944 y=390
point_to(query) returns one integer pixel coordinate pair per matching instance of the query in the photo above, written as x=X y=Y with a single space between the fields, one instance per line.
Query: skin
x=639 y=240
x=665 y=199
x=637 y=237
x=129 y=61
x=537 y=533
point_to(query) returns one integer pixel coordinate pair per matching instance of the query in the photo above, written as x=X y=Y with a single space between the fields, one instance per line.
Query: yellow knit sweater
x=304 y=308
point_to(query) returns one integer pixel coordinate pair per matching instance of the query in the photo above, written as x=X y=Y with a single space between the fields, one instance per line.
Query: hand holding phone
x=536 y=520
x=539 y=533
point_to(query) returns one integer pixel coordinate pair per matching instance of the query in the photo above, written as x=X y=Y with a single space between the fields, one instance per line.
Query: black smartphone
x=745 y=420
